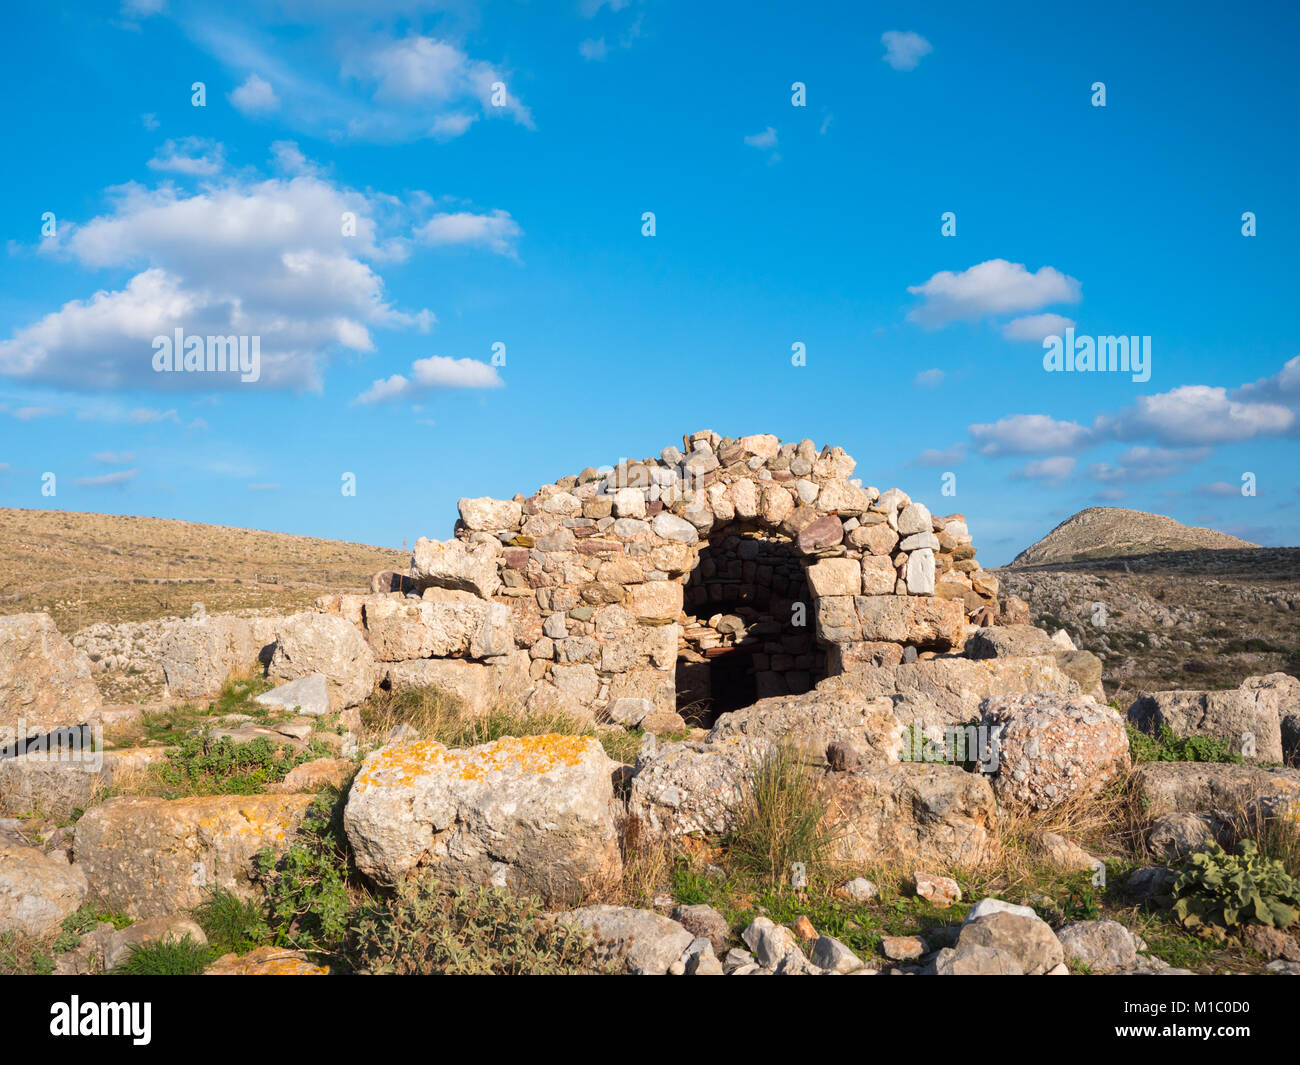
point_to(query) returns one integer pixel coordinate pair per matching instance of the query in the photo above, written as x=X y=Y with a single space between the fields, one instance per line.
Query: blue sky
x=516 y=219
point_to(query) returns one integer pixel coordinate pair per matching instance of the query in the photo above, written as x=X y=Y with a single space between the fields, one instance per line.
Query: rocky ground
x=1175 y=619
x=840 y=830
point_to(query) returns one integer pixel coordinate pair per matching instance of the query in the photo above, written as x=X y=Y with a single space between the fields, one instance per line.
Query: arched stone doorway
x=748 y=630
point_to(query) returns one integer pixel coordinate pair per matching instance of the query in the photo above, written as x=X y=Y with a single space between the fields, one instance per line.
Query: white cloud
x=766 y=139
x=1029 y=434
x=593 y=49
x=1147 y=464
x=1283 y=385
x=265 y=259
x=255 y=97
x=449 y=127
x=434 y=373
x=192 y=156
x=1053 y=471
x=904 y=49
x=497 y=230
x=1222 y=488
x=929 y=378
x=105 y=480
x=114 y=458
x=1198 y=414
x=27 y=414
x=1034 y=327
x=150 y=416
x=149 y=120
x=992 y=287
x=417 y=79
x=590 y=8
x=931 y=456
x=288 y=158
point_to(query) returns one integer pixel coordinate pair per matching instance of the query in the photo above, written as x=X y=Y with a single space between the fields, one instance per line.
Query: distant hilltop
x=1105 y=532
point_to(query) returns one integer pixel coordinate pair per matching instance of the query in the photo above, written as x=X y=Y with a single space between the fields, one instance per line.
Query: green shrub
x=307 y=902
x=1166 y=747
x=225 y=767
x=1216 y=891
x=172 y=957
x=82 y=920
x=780 y=819
x=425 y=929
x=231 y=924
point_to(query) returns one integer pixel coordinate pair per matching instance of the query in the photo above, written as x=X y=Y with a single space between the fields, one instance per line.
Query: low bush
x=1216 y=892
x=307 y=900
x=1166 y=747
x=425 y=929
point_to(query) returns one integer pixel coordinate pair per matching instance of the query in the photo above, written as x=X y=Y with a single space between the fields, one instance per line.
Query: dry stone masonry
x=719 y=573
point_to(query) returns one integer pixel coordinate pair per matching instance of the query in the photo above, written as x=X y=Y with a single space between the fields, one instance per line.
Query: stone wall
x=584 y=596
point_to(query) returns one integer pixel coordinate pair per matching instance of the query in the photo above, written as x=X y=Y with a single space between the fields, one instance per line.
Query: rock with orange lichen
x=266 y=961
x=533 y=813
x=148 y=857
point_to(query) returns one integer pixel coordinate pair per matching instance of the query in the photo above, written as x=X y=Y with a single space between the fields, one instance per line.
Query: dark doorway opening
x=744 y=639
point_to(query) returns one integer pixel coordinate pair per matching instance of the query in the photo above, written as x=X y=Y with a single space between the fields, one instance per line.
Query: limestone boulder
x=912 y=814
x=489 y=515
x=55 y=787
x=37 y=891
x=922 y=621
x=149 y=857
x=457 y=565
x=309 y=695
x=643 y=942
x=535 y=814
x=1009 y=641
x=324 y=643
x=1052 y=747
x=1196 y=787
x=694 y=789
x=266 y=961
x=45 y=683
x=815 y=719
x=949 y=690
x=397 y=630
x=1247 y=717
x=1026 y=938
x=1102 y=946
x=199 y=655
x=480 y=686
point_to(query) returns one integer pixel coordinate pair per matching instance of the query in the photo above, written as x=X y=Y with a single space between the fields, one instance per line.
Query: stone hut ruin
x=694 y=583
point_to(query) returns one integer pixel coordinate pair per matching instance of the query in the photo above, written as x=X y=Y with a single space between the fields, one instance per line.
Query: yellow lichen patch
x=402 y=763
x=266 y=961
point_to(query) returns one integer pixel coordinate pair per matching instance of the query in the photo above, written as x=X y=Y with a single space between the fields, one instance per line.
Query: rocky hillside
x=85 y=568
x=1111 y=532
x=1175 y=619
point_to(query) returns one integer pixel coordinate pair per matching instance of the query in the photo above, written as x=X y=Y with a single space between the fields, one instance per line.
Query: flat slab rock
x=1195 y=787
x=646 y=942
x=535 y=814
x=307 y=695
x=149 y=857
